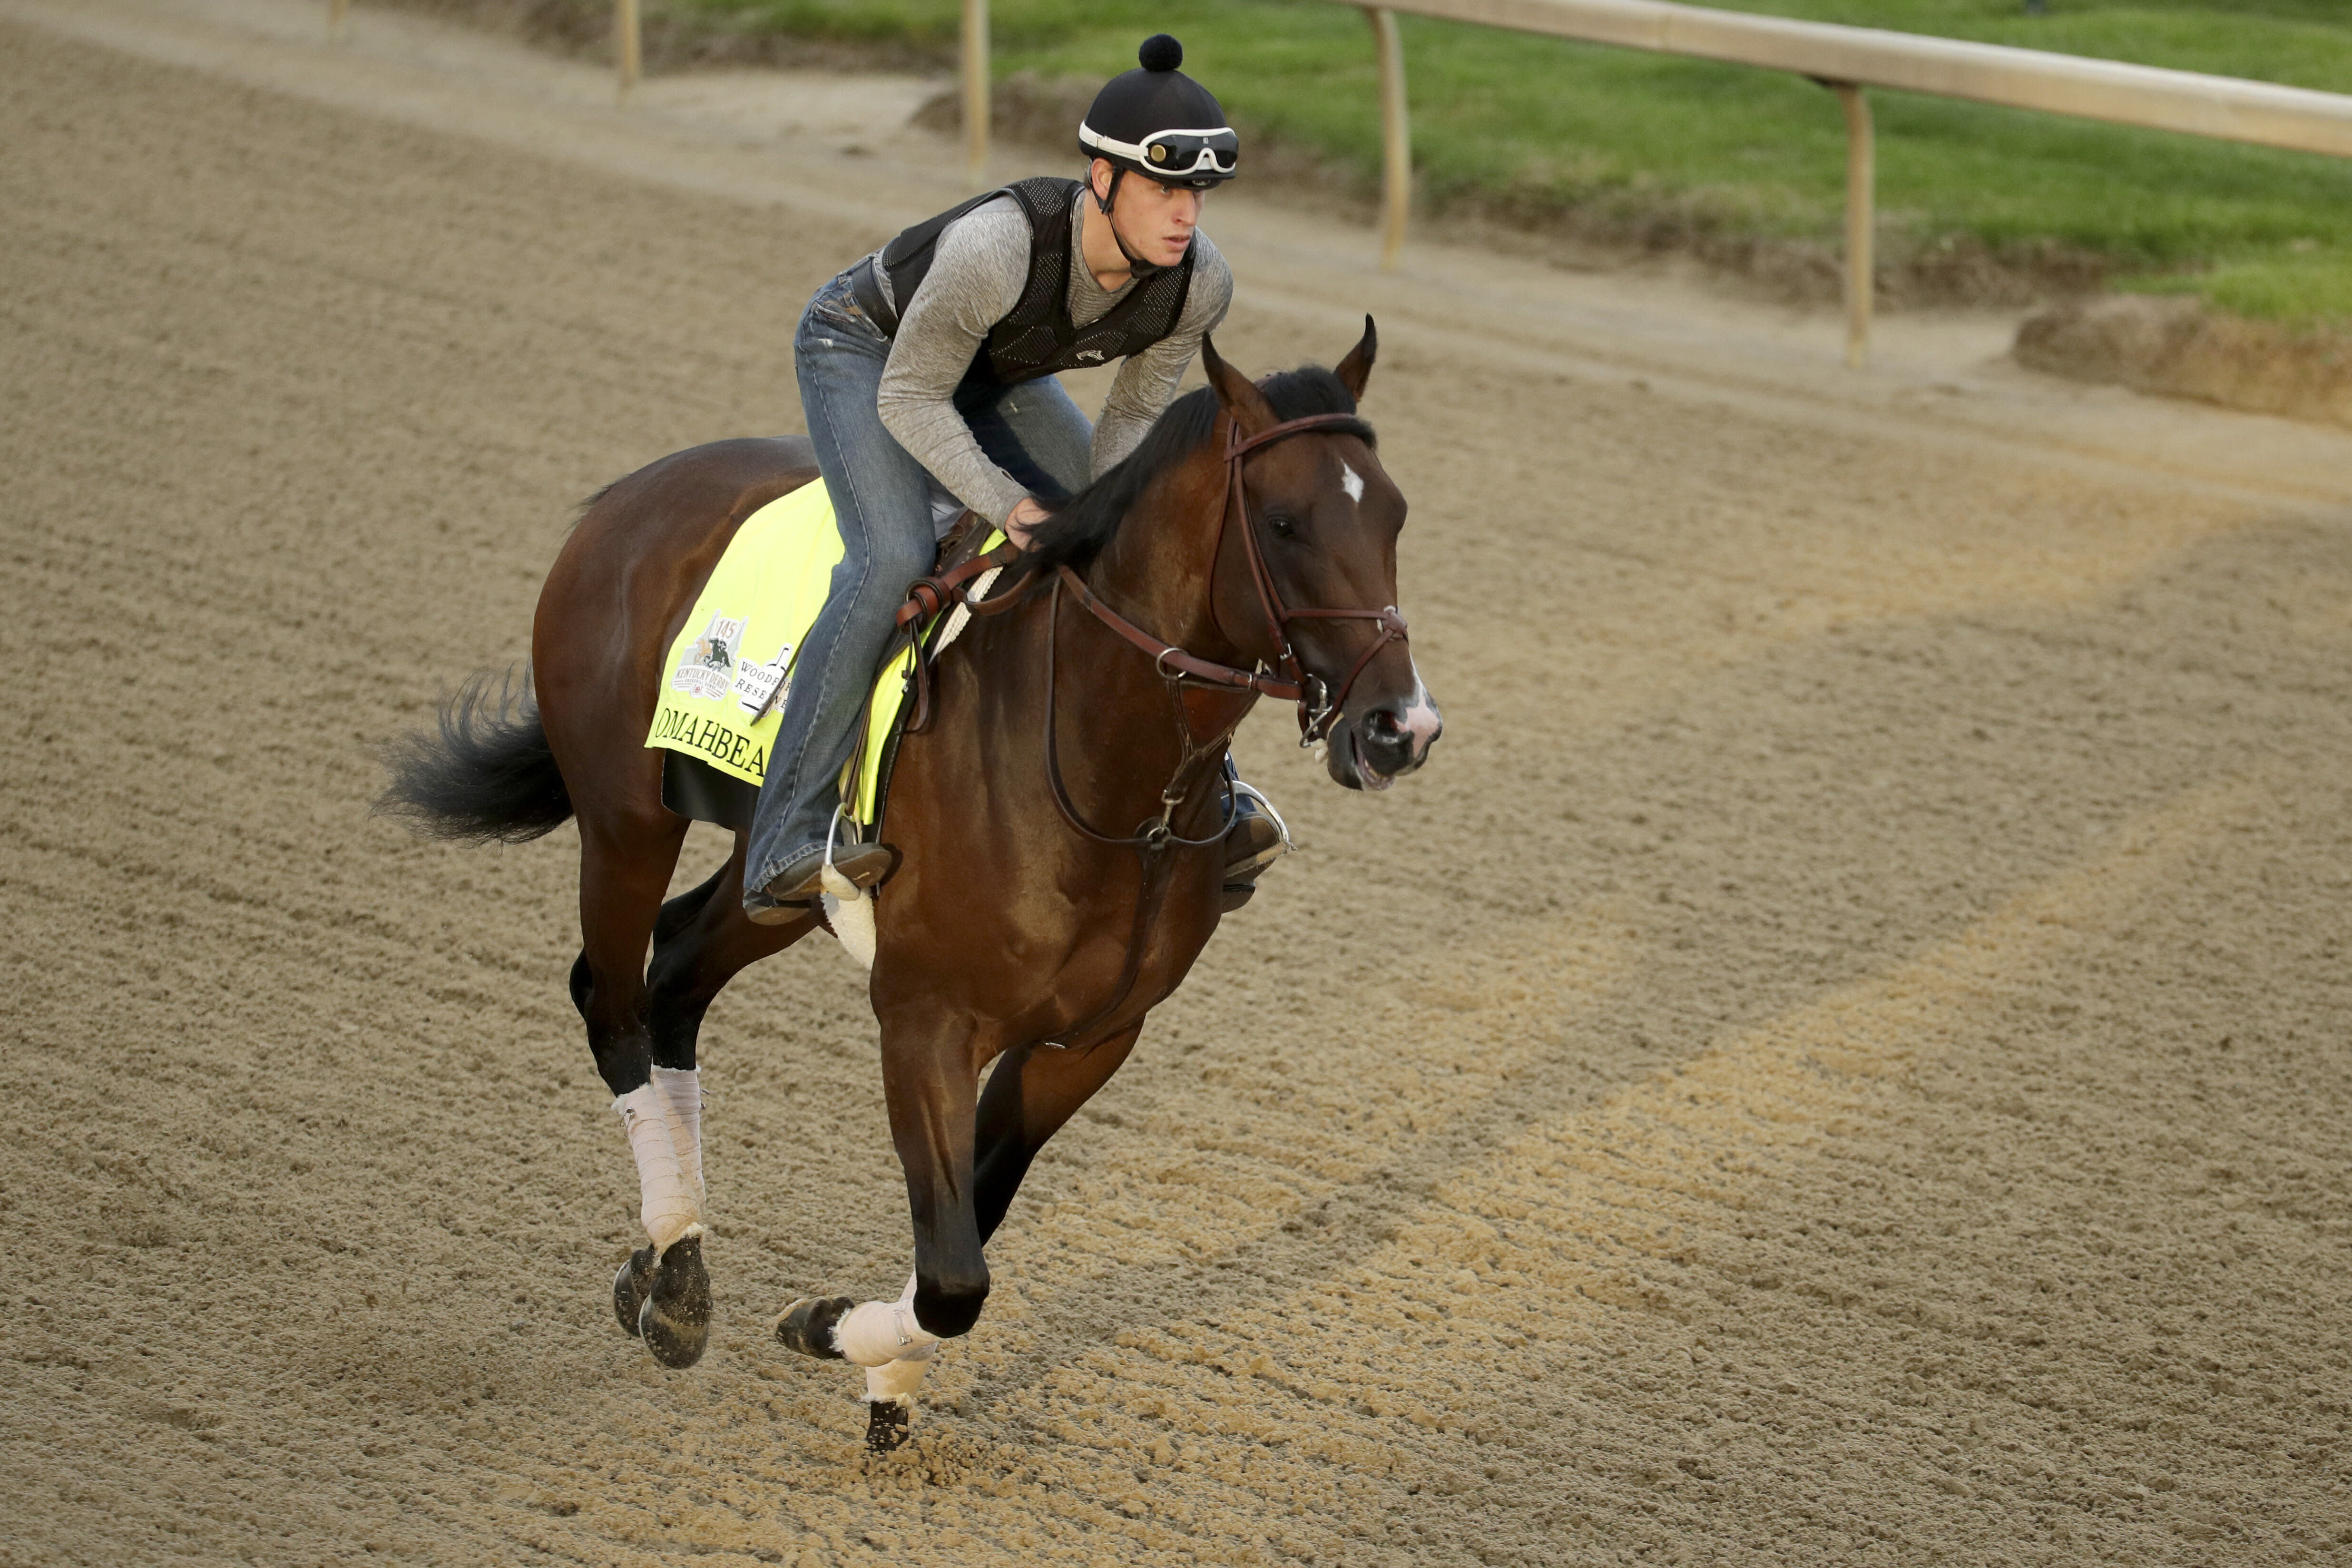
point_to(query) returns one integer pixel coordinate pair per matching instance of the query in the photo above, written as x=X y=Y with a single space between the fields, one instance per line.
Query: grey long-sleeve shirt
x=976 y=277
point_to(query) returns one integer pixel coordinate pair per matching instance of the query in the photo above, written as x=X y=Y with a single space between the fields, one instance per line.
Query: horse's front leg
x=1032 y=1092
x=963 y=1164
x=930 y=1082
x=931 y=1072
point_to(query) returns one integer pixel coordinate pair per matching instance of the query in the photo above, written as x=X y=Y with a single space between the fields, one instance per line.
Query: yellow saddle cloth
x=723 y=685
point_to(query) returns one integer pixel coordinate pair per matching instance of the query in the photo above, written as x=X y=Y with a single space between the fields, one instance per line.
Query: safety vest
x=1037 y=337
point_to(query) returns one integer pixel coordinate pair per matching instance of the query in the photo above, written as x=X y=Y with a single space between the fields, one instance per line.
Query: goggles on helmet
x=1176 y=157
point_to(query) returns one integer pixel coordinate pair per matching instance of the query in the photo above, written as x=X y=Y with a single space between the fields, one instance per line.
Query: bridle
x=1319 y=706
x=1289 y=681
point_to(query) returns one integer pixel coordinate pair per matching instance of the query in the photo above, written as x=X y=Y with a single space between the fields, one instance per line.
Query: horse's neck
x=1160 y=568
x=1159 y=572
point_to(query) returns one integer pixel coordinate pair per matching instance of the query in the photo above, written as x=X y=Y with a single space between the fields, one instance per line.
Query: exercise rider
x=927 y=372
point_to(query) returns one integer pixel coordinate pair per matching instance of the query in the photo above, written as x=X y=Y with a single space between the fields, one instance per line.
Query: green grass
x=2296 y=290
x=1628 y=138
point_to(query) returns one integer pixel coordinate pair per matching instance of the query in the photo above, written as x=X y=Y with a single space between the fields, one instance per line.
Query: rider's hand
x=1027 y=515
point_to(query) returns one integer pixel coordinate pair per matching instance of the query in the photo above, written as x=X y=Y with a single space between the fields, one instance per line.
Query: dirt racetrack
x=1841 y=1057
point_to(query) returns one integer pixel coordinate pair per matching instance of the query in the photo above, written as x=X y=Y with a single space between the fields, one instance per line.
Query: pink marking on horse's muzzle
x=1422 y=721
x=1391 y=740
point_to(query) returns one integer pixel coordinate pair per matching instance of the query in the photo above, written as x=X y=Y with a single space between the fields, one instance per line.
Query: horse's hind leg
x=676 y=1085
x=700 y=942
x=674 y=917
x=625 y=861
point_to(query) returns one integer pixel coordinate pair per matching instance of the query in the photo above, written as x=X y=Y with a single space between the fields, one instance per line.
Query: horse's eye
x=1281 y=524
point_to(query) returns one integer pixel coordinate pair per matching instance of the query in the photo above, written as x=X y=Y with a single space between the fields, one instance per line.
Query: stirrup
x=1249 y=853
x=1289 y=845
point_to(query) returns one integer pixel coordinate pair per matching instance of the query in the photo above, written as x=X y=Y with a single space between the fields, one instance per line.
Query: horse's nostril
x=1384 y=722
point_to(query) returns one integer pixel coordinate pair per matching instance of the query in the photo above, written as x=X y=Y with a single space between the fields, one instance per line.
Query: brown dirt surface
x=1841 y=1057
x=2186 y=348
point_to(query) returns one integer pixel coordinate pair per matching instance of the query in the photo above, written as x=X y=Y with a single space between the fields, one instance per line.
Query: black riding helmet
x=1160 y=123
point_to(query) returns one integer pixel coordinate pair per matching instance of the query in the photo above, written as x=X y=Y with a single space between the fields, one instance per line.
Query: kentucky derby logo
x=710 y=661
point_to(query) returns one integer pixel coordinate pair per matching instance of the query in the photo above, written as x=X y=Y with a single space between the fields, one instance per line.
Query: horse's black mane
x=1082 y=525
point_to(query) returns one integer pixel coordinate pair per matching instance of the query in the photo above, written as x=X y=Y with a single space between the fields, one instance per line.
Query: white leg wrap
x=895 y=1380
x=666 y=1203
x=680 y=1094
x=876 y=1333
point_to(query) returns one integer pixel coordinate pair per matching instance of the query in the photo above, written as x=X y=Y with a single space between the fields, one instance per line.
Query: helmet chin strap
x=1136 y=265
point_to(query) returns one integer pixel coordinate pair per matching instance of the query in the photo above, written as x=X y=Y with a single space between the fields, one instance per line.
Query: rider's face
x=1156 y=220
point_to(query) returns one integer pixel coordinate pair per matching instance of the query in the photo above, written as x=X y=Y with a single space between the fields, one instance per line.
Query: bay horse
x=1059 y=818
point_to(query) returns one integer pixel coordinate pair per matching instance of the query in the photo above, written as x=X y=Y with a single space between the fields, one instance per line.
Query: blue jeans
x=883 y=499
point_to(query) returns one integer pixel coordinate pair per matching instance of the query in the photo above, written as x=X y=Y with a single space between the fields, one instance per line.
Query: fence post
x=975 y=88
x=1860 y=221
x=627 y=44
x=1396 y=137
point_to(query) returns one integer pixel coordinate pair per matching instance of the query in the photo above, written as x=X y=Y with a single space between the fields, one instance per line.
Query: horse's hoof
x=629 y=1288
x=675 y=1316
x=886 y=1425
x=807 y=1325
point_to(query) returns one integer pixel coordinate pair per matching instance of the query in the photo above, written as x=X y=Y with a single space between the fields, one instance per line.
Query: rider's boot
x=1256 y=839
x=800 y=883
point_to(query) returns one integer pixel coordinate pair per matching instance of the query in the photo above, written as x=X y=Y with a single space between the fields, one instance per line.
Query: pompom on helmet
x=1159 y=123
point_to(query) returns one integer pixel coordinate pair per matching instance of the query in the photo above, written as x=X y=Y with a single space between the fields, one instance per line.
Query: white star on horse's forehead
x=1351 y=481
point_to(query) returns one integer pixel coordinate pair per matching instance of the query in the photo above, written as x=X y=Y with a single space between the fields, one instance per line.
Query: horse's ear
x=1235 y=394
x=1357 y=368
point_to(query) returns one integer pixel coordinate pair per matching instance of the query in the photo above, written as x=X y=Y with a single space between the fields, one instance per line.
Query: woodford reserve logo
x=713 y=668
x=759 y=687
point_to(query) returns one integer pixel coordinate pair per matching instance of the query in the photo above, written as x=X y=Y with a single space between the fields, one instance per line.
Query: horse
x=1024 y=926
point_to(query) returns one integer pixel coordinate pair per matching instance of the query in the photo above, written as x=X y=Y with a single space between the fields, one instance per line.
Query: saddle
x=720 y=704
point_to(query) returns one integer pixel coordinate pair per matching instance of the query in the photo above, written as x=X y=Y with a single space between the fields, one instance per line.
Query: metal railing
x=1845 y=59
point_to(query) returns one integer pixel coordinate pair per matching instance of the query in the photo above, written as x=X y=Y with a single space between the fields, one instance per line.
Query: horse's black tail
x=487 y=775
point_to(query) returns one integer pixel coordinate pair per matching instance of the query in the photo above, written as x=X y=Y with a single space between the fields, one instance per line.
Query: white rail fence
x=1845 y=59
x=1849 y=60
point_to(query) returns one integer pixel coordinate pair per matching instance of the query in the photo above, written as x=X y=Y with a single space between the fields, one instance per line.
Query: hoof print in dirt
x=886 y=1425
x=629 y=1288
x=675 y=1316
x=807 y=1325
